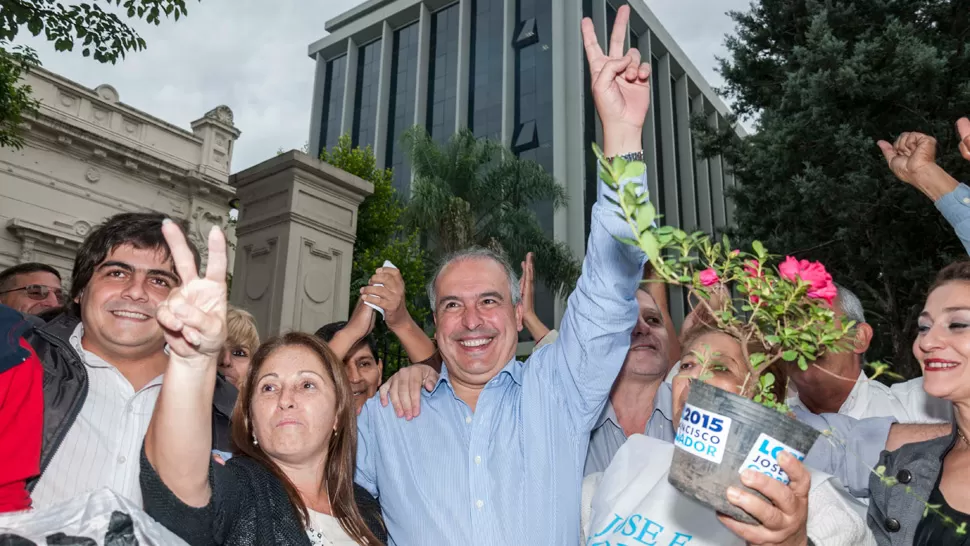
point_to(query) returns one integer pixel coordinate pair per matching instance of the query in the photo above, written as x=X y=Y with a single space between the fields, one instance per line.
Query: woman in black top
x=293 y=430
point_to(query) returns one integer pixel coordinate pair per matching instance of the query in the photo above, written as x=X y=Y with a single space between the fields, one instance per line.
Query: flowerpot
x=721 y=434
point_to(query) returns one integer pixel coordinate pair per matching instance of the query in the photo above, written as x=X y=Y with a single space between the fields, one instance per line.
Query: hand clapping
x=193 y=316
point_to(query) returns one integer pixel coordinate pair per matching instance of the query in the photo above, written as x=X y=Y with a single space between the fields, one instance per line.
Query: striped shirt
x=510 y=472
x=102 y=447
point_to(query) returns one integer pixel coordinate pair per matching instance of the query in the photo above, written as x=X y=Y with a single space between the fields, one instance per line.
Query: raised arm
x=595 y=333
x=391 y=298
x=193 y=317
x=530 y=319
x=912 y=158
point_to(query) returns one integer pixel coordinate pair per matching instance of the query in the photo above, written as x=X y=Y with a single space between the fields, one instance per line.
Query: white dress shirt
x=868 y=398
x=922 y=407
x=103 y=446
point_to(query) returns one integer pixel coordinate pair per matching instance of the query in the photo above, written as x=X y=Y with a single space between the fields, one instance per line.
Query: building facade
x=87 y=156
x=515 y=70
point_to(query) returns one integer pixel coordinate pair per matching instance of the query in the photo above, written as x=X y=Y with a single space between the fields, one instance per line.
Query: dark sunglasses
x=40 y=292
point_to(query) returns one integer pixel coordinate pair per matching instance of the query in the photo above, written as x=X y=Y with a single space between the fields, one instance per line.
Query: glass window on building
x=485 y=79
x=533 y=136
x=333 y=102
x=443 y=74
x=368 y=83
x=404 y=77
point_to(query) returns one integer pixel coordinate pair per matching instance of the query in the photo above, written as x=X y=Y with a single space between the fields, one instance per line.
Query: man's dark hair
x=327 y=331
x=9 y=273
x=142 y=230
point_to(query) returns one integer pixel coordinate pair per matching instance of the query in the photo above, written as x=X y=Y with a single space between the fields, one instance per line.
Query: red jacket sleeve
x=21 y=428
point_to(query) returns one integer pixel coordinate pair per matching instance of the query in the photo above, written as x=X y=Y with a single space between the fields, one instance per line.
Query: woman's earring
x=255 y=441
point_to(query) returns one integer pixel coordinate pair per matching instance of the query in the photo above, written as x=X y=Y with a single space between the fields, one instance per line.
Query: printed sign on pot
x=703 y=433
x=763 y=458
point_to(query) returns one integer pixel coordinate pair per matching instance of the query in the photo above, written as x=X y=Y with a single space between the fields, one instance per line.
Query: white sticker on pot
x=763 y=458
x=703 y=433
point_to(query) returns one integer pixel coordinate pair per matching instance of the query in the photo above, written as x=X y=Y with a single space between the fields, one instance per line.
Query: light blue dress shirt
x=510 y=472
x=608 y=436
x=955 y=207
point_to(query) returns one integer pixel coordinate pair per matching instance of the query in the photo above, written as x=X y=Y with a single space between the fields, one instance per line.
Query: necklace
x=962 y=437
x=317 y=538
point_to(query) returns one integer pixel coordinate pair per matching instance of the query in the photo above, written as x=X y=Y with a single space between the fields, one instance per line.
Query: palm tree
x=477 y=192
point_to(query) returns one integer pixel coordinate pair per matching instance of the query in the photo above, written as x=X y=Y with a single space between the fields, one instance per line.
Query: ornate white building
x=89 y=156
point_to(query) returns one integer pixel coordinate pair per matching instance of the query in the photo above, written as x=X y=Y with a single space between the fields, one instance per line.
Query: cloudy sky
x=251 y=56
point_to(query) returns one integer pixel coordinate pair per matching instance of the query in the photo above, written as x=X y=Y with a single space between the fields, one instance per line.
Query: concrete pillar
x=665 y=117
x=464 y=63
x=569 y=146
x=728 y=202
x=603 y=36
x=685 y=161
x=350 y=88
x=650 y=129
x=296 y=234
x=424 y=65
x=317 y=106
x=717 y=183
x=383 y=95
x=703 y=177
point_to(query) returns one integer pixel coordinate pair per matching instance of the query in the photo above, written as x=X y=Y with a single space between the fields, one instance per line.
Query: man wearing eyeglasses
x=31 y=288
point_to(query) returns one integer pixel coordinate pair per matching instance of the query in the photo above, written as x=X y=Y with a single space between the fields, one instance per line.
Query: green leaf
x=627 y=240
x=758 y=248
x=634 y=170
x=649 y=244
x=789 y=356
x=756 y=359
x=802 y=363
x=767 y=380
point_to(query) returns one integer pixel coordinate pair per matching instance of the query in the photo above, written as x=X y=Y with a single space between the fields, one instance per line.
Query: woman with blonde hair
x=241 y=343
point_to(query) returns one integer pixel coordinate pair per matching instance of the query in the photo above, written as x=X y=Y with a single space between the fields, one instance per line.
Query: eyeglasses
x=40 y=292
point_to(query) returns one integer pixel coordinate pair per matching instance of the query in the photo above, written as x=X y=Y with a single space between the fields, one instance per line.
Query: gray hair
x=850 y=305
x=475 y=253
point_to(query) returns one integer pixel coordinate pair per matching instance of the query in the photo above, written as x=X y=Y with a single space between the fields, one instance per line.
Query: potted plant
x=782 y=316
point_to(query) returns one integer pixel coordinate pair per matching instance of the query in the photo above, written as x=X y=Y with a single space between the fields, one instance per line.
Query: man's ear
x=863 y=338
x=380 y=367
x=518 y=317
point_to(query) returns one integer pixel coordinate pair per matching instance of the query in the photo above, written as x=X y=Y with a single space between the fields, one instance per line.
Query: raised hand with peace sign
x=194 y=314
x=621 y=86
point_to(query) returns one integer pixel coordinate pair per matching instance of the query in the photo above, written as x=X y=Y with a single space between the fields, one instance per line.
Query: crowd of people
x=140 y=387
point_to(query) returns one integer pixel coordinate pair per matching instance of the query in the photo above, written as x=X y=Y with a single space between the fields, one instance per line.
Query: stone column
x=296 y=233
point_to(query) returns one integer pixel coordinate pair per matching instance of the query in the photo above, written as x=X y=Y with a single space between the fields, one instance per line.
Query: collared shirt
x=102 y=447
x=921 y=407
x=868 y=398
x=608 y=436
x=511 y=471
x=955 y=207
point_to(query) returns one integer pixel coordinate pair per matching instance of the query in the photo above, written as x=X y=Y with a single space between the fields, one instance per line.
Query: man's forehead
x=646 y=302
x=472 y=277
x=141 y=258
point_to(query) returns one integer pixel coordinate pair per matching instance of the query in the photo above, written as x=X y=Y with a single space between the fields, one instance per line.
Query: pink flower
x=735 y=252
x=754 y=299
x=709 y=277
x=753 y=268
x=813 y=273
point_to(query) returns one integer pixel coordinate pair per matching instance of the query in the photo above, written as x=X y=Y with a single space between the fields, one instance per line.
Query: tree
x=101 y=34
x=380 y=237
x=825 y=80
x=476 y=192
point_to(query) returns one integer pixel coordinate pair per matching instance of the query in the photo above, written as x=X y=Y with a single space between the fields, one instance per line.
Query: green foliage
x=477 y=192
x=379 y=234
x=16 y=101
x=785 y=311
x=825 y=80
x=101 y=34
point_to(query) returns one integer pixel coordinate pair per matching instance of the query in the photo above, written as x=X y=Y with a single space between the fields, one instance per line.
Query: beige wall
x=88 y=156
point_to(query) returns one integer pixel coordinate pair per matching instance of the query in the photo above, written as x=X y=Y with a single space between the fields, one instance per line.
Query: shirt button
x=468 y=419
x=904 y=476
x=892 y=525
x=478 y=459
x=479 y=504
x=122 y=459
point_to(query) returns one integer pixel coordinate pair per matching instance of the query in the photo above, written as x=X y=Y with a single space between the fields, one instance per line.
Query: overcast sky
x=251 y=56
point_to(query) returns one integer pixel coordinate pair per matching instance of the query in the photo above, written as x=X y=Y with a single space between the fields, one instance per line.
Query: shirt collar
x=663 y=403
x=513 y=370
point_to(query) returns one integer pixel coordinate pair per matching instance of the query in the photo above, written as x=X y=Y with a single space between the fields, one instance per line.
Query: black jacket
x=66 y=388
x=248 y=507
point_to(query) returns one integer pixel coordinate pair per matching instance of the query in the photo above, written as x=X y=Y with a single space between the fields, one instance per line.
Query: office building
x=515 y=70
